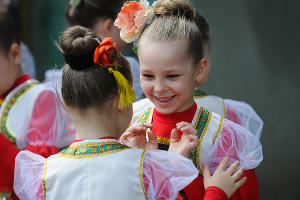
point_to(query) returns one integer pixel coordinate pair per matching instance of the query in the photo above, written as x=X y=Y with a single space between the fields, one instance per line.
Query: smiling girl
x=170 y=51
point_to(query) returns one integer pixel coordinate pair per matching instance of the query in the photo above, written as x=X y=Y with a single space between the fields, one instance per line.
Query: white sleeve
x=247 y=117
x=28 y=176
x=237 y=143
x=166 y=173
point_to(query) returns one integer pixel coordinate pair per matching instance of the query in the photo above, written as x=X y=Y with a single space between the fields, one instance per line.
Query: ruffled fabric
x=166 y=173
x=243 y=114
x=45 y=127
x=237 y=143
x=28 y=180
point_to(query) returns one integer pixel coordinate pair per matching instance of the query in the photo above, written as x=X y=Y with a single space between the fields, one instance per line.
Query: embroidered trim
x=144 y=118
x=200 y=125
x=141 y=173
x=1 y=102
x=225 y=113
x=44 y=177
x=219 y=130
x=92 y=149
x=11 y=101
x=5 y=194
x=163 y=140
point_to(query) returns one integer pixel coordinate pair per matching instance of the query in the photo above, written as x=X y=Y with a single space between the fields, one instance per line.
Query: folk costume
x=236 y=111
x=31 y=118
x=144 y=174
x=122 y=173
x=219 y=137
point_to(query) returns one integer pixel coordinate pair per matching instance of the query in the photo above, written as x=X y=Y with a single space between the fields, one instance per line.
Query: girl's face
x=167 y=75
x=8 y=72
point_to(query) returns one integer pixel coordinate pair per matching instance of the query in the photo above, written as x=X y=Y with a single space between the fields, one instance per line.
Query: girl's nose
x=160 y=86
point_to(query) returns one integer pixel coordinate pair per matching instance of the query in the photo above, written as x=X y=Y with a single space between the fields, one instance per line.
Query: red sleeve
x=214 y=193
x=195 y=190
x=42 y=125
x=8 y=153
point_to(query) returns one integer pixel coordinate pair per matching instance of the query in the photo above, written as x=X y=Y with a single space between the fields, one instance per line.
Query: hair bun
x=179 y=8
x=77 y=45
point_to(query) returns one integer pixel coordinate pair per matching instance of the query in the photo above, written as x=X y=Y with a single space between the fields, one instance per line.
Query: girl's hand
x=139 y=136
x=189 y=139
x=226 y=180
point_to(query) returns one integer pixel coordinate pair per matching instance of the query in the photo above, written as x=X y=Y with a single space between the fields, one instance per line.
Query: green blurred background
x=255 y=47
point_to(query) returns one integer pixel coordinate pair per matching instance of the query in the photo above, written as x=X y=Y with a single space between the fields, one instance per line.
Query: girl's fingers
x=233 y=167
x=151 y=135
x=137 y=129
x=238 y=174
x=239 y=183
x=188 y=129
x=124 y=136
x=147 y=125
x=174 y=136
x=182 y=124
x=223 y=164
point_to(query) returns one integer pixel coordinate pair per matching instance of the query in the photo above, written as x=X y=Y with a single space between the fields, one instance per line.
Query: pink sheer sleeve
x=237 y=143
x=28 y=176
x=165 y=174
x=48 y=126
x=244 y=115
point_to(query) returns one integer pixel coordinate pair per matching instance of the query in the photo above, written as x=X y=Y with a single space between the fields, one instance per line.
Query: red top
x=162 y=126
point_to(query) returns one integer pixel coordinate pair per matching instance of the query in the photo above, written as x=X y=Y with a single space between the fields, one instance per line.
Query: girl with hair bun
x=97 y=93
x=99 y=16
x=171 y=52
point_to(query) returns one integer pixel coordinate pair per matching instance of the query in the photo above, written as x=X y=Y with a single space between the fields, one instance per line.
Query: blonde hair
x=176 y=20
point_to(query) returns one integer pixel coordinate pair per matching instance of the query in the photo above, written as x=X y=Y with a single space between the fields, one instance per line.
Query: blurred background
x=255 y=58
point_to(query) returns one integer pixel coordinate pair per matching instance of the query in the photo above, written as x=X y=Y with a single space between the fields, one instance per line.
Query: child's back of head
x=84 y=83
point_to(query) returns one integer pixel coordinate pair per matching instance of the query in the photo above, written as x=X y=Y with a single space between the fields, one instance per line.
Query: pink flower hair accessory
x=132 y=19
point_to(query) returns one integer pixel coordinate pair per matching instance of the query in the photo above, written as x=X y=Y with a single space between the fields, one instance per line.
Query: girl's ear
x=15 y=54
x=202 y=70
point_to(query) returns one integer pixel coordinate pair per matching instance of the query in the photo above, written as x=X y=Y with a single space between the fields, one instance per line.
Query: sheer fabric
x=39 y=119
x=28 y=178
x=246 y=116
x=166 y=173
x=237 y=143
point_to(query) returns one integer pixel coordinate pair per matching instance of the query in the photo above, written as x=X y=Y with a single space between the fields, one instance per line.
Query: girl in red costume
x=97 y=93
x=171 y=54
x=30 y=114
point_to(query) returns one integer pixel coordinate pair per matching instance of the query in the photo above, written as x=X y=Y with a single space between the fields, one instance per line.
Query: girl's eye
x=173 y=75
x=148 y=75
